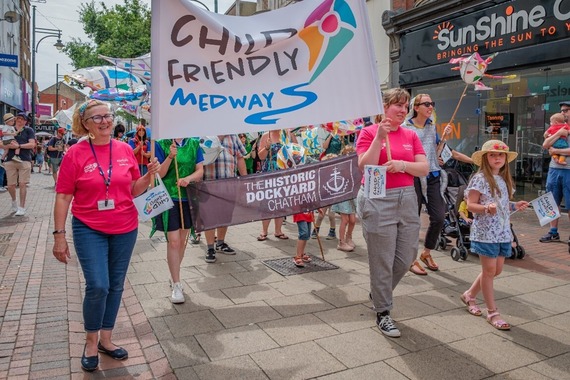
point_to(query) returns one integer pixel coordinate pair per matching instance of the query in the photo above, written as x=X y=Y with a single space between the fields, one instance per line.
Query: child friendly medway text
x=220 y=71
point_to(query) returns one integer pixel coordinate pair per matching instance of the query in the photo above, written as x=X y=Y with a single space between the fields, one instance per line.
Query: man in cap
x=558 y=178
x=55 y=149
x=19 y=171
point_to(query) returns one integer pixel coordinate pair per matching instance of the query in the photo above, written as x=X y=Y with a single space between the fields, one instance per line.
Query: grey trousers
x=391 y=228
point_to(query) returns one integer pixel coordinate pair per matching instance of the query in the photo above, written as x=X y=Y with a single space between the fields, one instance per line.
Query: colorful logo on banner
x=327 y=31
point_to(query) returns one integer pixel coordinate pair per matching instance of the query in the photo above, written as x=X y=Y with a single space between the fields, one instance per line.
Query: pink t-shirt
x=404 y=145
x=79 y=175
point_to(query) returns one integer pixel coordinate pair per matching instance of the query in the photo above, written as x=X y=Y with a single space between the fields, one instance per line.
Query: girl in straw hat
x=488 y=195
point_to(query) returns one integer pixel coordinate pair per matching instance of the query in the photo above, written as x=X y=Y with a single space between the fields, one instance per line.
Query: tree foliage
x=122 y=31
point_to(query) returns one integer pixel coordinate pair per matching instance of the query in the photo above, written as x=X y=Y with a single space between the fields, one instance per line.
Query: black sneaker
x=210 y=256
x=549 y=237
x=225 y=249
x=387 y=326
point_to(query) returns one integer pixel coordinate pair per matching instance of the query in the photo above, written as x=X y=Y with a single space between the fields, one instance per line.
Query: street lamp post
x=59 y=45
x=57 y=76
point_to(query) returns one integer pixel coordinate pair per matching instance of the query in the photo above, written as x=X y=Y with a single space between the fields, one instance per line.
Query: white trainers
x=177 y=295
x=3 y=189
x=21 y=211
x=15 y=206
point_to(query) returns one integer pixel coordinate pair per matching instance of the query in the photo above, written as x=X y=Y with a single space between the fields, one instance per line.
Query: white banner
x=308 y=63
x=545 y=208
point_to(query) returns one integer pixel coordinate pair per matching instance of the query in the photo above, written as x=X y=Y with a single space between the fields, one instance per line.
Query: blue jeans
x=304 y=229
x=104 y=260
x=558 y=181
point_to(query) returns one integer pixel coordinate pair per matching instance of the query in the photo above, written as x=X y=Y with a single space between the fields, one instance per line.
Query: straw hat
x=496 y=146
x=8 y=116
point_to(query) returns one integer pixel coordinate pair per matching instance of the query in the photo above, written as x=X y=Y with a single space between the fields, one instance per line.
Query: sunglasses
x=427 y=104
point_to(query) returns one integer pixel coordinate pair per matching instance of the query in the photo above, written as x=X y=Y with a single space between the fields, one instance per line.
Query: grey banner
x=261 y=196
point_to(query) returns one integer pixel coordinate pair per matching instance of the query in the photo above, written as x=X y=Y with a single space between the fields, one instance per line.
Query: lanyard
x=107 y=180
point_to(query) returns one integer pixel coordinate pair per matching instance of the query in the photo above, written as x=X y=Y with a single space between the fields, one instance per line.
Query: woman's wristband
x=57 y=232
x=403 y=166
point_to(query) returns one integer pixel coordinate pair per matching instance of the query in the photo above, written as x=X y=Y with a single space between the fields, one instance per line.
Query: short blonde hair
x=557 y=118
x=77 y=120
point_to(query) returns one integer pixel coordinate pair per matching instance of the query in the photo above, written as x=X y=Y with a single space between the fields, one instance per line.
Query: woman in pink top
x=390 y=225
x=101 y=176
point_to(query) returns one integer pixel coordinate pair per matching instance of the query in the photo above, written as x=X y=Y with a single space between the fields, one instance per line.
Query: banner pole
x=444 y=137
x=388 y=151
x=320 y=247
x=180 y=199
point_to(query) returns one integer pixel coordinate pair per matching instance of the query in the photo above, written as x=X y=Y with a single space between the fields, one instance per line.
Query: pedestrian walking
x=229 y=162
x=390 y=225
x=421 y=121
x=488 y=198
x=181 y=163
x=19 y=171
x=101 y=176
x=55 y=150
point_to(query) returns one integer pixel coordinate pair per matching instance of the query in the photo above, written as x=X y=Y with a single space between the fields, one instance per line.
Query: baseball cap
x=22 y=114
x=61 y=130
x=564 y=103
x=8 y=116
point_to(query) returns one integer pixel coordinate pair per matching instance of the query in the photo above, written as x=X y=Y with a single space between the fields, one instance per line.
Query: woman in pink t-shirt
x=101 y=176
x=390 y=225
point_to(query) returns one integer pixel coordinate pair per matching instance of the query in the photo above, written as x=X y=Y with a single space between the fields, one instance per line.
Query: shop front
x=532 y=42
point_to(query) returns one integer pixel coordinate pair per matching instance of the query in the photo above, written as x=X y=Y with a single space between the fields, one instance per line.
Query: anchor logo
x=336 y=184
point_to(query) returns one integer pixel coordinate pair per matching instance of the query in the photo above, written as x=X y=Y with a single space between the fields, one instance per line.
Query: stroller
x=456 y=228
x=452 y=226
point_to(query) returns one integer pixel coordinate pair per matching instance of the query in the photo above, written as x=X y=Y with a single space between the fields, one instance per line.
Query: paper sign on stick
x=545 y=208
x=446 y=154
x=374 y=181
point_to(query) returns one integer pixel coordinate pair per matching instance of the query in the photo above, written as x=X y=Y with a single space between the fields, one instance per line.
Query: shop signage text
x=506 y=26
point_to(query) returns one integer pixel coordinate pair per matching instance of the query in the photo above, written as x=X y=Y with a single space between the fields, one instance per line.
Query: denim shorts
x=492 y=250
x=558 y=181
x=304 y=230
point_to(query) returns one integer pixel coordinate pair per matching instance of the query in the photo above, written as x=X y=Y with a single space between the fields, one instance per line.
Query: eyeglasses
x=564 y=110
x=98 y=119
x=427 y=104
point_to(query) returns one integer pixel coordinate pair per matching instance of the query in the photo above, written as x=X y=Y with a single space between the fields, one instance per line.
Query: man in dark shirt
x=19 y=172
x=55 y=150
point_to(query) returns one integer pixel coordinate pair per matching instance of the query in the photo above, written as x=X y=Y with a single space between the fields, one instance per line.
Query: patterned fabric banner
x=261 y=196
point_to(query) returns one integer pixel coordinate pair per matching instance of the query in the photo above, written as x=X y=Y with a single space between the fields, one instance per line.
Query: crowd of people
x=97 y=176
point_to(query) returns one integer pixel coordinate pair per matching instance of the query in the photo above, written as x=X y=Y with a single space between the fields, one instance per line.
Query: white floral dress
x=487 y=228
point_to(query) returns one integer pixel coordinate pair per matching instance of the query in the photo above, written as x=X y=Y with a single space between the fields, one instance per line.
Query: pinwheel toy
x=472 y=70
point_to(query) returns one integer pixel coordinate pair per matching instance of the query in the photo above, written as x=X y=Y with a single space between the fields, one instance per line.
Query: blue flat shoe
x=89 y=363
x=118 y=354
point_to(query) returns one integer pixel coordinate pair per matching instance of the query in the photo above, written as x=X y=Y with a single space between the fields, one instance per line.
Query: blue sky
x=64 y=15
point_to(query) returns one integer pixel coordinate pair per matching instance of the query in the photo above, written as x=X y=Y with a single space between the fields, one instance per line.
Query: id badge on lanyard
x=106 y=204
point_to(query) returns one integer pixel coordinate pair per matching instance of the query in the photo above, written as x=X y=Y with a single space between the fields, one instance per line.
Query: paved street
x=245 y=321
